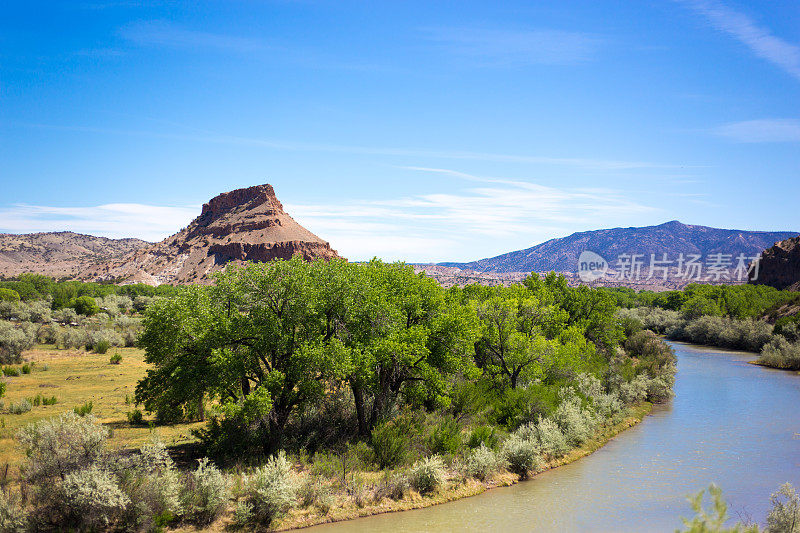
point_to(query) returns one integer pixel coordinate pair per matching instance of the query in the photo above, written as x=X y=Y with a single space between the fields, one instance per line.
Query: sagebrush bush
x=271 y=489
x=313 y=491
x=206 y=494
x=59 y=445
x=13 y=341
x=154 y=488
x=67 y=338
x=551 y=439
x=784 y=517
x=521 y=454
x=427 y=475
x=635 y=390
x=393 y=485
x=482 y=463
x=13 y=518
x=577 y=424
x=780 y=353
x=23 y=406
x=90 y=499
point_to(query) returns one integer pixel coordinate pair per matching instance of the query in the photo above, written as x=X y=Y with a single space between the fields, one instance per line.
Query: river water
x=730 y=422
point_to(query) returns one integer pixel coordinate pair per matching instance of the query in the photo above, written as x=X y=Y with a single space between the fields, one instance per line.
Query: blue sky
x=424 y=131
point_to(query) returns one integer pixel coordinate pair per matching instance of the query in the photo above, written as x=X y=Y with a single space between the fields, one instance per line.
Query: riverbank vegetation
x=742 y=317
x=327 y=390
x=783 y=516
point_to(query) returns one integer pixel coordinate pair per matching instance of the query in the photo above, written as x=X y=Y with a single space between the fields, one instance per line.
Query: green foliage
x=8 y=295
x=483 y=436
x=780 y=353
x=38 y=400
x=135 y=417
x=85 y=409
x=26 y=368
x=23 y=406
x=86 y=305
x=101 y=346
x=391 y=442
x=115 y=359
x=427 y=475
x=89 y=499
x=712 y=520
x=446 y=437
x=11 y=371
x=14 y=339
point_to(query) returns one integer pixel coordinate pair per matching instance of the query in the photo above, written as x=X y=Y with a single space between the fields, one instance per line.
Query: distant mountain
x=780 y=266
x=58 y=254
x=672 y=238
x=237 y=226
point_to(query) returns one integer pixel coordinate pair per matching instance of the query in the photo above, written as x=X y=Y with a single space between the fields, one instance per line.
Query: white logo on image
x=591 y=266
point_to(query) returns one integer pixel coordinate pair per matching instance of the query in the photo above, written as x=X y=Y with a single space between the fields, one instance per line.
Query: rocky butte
x=780 y=266
x=237 y=226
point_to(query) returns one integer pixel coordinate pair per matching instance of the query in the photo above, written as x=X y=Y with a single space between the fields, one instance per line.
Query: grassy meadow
x=75 y=376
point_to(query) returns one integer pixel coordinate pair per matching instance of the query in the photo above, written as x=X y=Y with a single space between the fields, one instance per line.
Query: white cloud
x=493 y=47
x=760 y=40
x=761 y=131
x=148 y=222
x=499 y=216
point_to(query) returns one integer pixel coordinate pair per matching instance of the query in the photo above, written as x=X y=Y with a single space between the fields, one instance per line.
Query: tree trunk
x=358 y=398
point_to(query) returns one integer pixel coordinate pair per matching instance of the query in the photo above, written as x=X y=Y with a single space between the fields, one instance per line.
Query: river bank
x=457 y=489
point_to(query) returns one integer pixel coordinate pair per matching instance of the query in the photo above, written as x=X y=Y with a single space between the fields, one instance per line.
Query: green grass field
x=74 y=377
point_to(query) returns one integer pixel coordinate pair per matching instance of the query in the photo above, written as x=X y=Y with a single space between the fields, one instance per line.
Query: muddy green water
x=732 y=423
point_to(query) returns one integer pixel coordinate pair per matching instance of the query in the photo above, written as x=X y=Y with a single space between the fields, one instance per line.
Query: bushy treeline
x=30 y=287
x=696 y=300
x=779 y=347
x=115 y=323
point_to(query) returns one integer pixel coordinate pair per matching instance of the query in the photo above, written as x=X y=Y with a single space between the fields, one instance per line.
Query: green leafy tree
x=86 y=305
x=8 y=295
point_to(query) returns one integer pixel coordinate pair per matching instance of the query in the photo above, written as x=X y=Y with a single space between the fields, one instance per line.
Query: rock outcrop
x=242 y=225
x=780 y=266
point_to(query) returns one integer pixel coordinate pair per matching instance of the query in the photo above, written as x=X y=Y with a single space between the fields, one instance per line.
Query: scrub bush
x=427 y=475
x=482 y=463
x=271 y=490
x=521 y=454
x=206 y=493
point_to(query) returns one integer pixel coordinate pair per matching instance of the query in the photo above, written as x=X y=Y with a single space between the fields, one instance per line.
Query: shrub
x=11 y=371
x=785 y=513
x=521 y=454
x=13 y=518
x=552 y=441
x=83 y=410
x=13 y=341
x=207 y=493
x=18 y=408
x=71 y=338
x=38 y=400
x=26 y=368
x=270 y=490
x=780 y=353
x=445 y=437
x=427 y=475
x=90 y=499
x=576 y=423
x=635 y=390
x=86 y=305
x=314 y=492
x=101 y=346
x=115 y=359
x=135 y=417
x=483 y=435
x=65 y=315
x=59 y=445
x=391 y=442
x=154 y=487
x=482 y=463
x=393 y=485
x=8 y=295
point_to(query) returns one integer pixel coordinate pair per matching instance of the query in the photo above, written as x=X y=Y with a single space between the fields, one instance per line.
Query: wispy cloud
x=148 y=222
x=479 y=220
x=504 y=47
x=761 y=131
x=161 y=33
x=274 y=144
x=760 y=40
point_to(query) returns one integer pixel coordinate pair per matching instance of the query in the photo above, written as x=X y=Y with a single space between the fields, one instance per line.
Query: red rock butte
x=237 y=226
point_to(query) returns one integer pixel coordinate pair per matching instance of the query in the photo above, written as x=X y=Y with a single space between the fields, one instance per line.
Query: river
x=730 y=422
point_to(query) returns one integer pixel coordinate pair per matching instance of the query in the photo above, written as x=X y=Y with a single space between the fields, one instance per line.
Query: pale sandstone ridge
x=780 y=266
x=59 y=254
x=237 y=226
